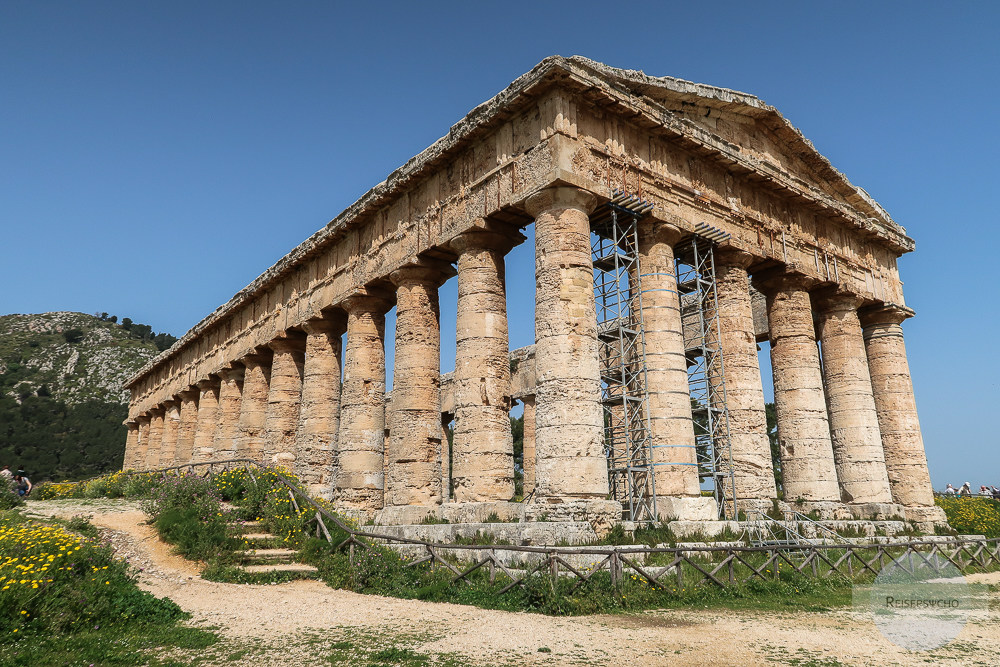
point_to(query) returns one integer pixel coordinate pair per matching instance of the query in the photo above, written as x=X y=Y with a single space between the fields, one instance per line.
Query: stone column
x=142 y=454
x=168 y=445
x=413 y=476
x=751 y=449
x=809 y=473
x=131 y=445
x=361 y=439
x=319 y=414
x=569 y=421
x=678 y=491
x=483 y=448
x=445 y=458
x=188 y=425
x=857 y=443
x=154 y=455
x=253 y=406
x=208 y=420
x=902 y=443
x=283 y=398
x=230 y=395
x=528 y=456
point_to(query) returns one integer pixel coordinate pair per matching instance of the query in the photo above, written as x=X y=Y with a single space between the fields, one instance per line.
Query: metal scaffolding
x=622 y=354
x=695 y=259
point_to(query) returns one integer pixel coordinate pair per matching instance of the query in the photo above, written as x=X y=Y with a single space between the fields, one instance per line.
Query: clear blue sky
x=157 y=157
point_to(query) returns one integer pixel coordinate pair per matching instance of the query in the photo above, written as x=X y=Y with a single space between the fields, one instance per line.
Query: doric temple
x=676 y=225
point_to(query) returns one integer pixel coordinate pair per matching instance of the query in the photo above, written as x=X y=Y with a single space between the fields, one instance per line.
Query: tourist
x=966 y=490
x=22 y=484
x=985 y=491
x=996 y=493
x=949 y=490
x=6 y=473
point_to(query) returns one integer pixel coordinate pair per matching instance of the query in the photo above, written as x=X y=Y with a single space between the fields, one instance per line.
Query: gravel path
x=300 y=623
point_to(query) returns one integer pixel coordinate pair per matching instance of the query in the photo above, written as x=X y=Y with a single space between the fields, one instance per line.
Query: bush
x=8 y=494
x=196 y=536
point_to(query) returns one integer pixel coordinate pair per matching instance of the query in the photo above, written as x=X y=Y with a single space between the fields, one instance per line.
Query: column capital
x=288 y=341
x=561 y=197
x=772 y=280
x=328 y=324
x=830 y=300
x=657 y=231
x=144 y=417
x=208 y=383
x=732 y=256
x=168 y=404
x=367 y=301
x=232 y=373
x=158 y=411
x=188 y=394
x=255 y=360
x=884 y=314
x=131 y=424
x=419 y=274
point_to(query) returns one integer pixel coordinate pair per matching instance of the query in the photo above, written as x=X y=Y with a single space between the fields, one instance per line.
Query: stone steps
x=262 y=559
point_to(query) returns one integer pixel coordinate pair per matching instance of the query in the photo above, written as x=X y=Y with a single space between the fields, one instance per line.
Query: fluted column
x=751 y=449
x=171 y=423
x=483 y=448
x=857 y=442
x=413 y=476
x=154 y=455
x=283 y=398
x=670 y=423
x=187 y=426
x=208 y=420
x=569 y=421
x=809 y=472
x=902 y=443
x=253 y=406
x=142 y=453
x=361 y=439
x=132 y=445
x=528 y=443
x=230 y=395
x=319 y=414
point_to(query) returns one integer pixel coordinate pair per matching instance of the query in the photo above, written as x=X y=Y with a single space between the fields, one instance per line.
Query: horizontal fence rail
x=689 y=566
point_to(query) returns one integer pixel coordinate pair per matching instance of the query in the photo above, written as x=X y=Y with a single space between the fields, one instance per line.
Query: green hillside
x=61 y=398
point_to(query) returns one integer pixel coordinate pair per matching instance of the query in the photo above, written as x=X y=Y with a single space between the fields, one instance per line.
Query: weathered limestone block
x=283 y=398
x=230 y=395
x=155 y=452
x=361 y=439
x=319 y=413
x=570 y=461
x=528 y=440
x=171 y=422
x=253 y=406
x=483 y=448
x=131 y=445
x=208 y=420
x=670 y=425
x=857 y=443
x=751 y=449
x=902 y=443
x=413 y=475
x=809 y=472
x=186 y=427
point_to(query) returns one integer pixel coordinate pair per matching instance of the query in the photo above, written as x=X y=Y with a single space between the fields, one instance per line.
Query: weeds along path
x=308 y=623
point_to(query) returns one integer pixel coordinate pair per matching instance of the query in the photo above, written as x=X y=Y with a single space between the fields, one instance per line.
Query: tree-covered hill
x=61 y=397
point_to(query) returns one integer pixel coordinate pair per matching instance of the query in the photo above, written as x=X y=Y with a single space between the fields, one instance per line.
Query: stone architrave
x=360 y=478
x=171 y=424
x=528 y=445
x=319 y=414
x=131 y=445
x=483 y=448
x=857 y=442
x=670 y=423
x=902 y=443
x=154 y=453
x=283 y=399
x=413 y=475
x=753 y=473
x=253 y=406
x=808 y=470
x=230 y=395
x=208 y=420
x=569 y=423
x=187 y=426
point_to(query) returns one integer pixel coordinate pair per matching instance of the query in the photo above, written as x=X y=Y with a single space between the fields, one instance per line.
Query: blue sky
x=156 y=157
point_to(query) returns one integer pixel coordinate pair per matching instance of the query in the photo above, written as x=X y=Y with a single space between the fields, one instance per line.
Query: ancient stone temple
x=796 y=255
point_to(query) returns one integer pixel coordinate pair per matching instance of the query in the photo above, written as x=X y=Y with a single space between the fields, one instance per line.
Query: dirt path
x=300 y=623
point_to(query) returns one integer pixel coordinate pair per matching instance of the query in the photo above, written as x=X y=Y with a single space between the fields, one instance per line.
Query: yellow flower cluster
x=972 y=516
x=42 y=551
